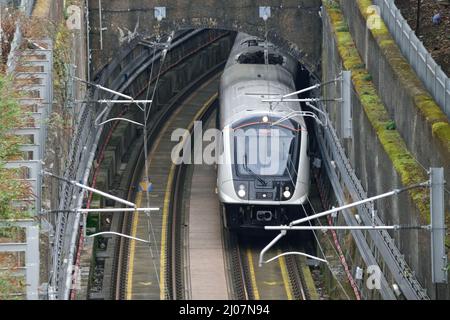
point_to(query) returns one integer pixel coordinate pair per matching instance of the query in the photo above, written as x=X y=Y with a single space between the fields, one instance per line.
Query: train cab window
x=251 y=42
x=256 y=42
x=257 y=57
x=264 y=149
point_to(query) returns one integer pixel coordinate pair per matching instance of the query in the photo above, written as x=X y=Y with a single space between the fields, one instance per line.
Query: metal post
x=447 y=97
x=419 y=6
x=32 y=262
x=270 y=245
x=347 y=206
x=100 y=23
x=438 y=256
x=88 y=49
x=346 y=112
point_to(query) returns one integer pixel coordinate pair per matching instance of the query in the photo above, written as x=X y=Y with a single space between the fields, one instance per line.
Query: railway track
x=132 y=175
x=172 y=266
x=195 y=270
x=145 y=281
x=179 y=276
x=283 y=279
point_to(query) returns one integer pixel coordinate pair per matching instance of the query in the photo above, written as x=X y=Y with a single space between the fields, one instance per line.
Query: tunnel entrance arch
x=294 y=26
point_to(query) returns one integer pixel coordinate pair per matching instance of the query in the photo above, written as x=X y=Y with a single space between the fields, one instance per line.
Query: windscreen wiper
x=261 y=180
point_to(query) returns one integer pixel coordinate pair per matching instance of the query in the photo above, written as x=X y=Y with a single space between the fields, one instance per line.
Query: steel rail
x=75 y=168
x=162 y=118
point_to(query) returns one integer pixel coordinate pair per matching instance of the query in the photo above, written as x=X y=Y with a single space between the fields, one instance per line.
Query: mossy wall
x=419 y=120
x=378 y=153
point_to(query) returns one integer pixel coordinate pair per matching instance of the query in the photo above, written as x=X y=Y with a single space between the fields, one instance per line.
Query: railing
x=32 y=163
x=374 y=243
x=27 y=7
x=431 y=74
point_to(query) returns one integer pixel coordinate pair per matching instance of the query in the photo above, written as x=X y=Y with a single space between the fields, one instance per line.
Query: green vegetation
x=390 y=125
x=11 y=116
x=9 y=285
x=61 y=57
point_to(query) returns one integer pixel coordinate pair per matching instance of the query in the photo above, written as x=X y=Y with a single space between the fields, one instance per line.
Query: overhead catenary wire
x=147 y=111
x=322 y=251
x=339 y=254
x=151 y=233
x=320 y=245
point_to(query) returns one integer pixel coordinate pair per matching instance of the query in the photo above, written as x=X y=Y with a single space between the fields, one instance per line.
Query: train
x=263 y=173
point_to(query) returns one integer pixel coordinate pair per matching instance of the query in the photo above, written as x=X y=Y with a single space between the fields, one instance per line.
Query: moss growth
x=391 y=125
x=342 y=29
x=440 y=129
x=422 y=99
x=405 y=165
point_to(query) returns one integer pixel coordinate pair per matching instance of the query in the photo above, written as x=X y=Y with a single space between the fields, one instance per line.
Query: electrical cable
x=321 y=249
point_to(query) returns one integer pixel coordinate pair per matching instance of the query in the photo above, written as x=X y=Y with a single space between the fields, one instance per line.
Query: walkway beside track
x=206 y=260
x=142 y=282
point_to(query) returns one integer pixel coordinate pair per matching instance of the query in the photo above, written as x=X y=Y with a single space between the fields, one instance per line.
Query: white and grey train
x=260 y=181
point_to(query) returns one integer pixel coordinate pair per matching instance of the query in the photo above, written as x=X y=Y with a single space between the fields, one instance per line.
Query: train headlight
x=286 y=193
x=265 y=119
x=241 y=192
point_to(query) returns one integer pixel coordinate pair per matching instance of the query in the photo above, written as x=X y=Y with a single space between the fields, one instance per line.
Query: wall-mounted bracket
x=346 y=113
x=160 y=13
x=264 y=13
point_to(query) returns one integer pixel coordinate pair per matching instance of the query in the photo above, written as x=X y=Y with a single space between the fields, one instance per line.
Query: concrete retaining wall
x=369 y=154
x=416 y=114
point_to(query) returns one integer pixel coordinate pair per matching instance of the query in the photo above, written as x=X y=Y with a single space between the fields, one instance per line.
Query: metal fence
x=27 y=7
x=431 y=74
x=38 y=95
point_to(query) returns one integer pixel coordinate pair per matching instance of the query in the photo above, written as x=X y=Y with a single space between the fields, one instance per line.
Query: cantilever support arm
x=104 y=89
x=270 y=245
x=318 y=85
x=357 y=203
x=99 y=192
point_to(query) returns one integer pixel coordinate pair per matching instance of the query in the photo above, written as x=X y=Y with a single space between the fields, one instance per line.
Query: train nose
x=264 y=215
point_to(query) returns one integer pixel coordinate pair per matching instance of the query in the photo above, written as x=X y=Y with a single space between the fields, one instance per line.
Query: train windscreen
x=264 y=149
